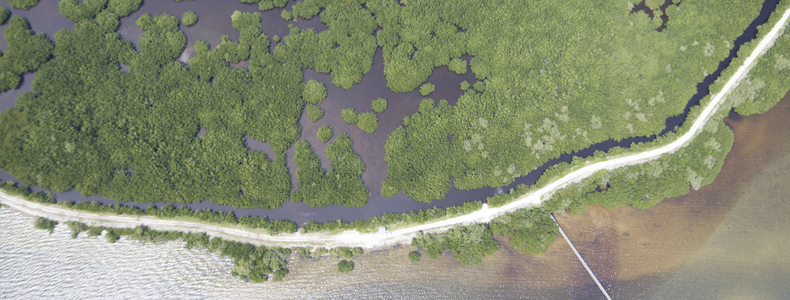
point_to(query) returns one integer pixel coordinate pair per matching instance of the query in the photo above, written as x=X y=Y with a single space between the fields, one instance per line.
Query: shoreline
x=374 y=241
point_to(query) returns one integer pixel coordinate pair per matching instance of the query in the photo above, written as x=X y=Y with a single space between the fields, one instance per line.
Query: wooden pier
x=581 y=259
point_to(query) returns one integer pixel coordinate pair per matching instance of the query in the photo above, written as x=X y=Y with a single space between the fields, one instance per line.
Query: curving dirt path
x=404 y=235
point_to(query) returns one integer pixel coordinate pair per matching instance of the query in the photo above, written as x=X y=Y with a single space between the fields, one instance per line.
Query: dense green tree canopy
x=123 y=8
x=77 y=11
x=469 y=244
x=26 y=51
x=605 y=73
x=535 y=239
x=457 y=65
x=131 y=136
x=264 y=5
x=22 y=4
x=767 y=82
x=341 y=185
x=345 y=49
x=242 y=20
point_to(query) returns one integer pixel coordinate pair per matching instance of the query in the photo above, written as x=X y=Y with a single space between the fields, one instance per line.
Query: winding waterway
x=726 y=240
x=215 y=21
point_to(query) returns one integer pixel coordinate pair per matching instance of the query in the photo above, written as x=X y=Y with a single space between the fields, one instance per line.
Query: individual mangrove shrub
x=286 y=15
x=414 y=256
x=465 y=85
x=368 y=122
x=314 y=91
x=22 y=4
x=265 y=5
x=536 y=239
x=279 y=3
x=4 y=14
x=532 y=229
x=111 y=236
x=314 y=112
x=45 y=224
x=122 y=8
x=469 y=244
x=427 y=88
x=341 y=185
x=25 y=52
x=77 y=11
x=276 y=39
x=189 y=18
x=242 y=20
x=345 y=266
x=325 y=133
x=349 y=116
x=379 y=105
x=457 y=65
x=76 y=228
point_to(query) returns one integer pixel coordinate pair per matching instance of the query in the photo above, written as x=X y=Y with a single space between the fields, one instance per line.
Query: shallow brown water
x=711 y=228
